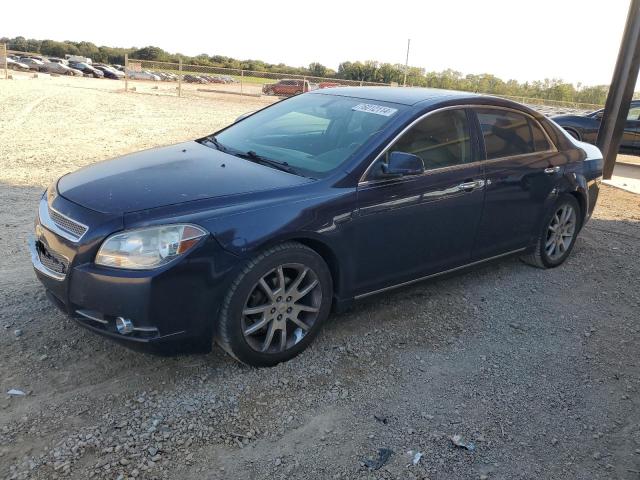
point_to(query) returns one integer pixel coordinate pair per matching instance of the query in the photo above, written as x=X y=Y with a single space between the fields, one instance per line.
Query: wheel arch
x=581 y=198
x=319 y=246
x=575 y=130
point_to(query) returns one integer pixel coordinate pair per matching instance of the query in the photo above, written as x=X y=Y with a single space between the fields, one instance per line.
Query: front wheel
x=275 y=306
x=558 y=235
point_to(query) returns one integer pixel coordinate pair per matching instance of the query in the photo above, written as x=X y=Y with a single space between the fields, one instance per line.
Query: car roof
x=401 y=95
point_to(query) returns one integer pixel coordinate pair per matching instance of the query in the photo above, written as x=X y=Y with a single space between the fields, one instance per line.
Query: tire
x=551 y=248
x=253 y=321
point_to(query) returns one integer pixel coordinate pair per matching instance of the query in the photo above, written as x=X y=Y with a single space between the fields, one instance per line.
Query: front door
x=414 y=226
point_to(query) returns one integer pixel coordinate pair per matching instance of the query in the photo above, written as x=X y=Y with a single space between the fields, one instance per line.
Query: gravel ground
x=538 y=369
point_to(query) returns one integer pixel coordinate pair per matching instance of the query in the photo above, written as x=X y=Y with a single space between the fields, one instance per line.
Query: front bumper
x=175 y=303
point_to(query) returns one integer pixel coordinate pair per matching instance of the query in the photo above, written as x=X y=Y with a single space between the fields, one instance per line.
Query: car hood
x=169 y=175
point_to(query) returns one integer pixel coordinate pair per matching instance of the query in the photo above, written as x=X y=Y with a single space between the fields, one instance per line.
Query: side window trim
x=478 y=145
x=533 y=121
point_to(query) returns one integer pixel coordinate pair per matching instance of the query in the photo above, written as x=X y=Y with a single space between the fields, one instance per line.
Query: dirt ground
x=539 y=369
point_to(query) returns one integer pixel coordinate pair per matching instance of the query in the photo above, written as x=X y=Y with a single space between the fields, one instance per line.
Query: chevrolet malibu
x=249 y=236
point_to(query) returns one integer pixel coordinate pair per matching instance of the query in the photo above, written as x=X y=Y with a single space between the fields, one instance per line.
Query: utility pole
x=621 y=90
x=406 y=63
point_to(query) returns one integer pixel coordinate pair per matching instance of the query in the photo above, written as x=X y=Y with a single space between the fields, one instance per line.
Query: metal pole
x=126 y=72
x=620 y=94
x=180 y=77
x=406 y=63
x=241 y=81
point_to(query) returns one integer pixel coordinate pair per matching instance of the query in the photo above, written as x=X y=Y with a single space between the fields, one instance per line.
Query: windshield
x=311 y=134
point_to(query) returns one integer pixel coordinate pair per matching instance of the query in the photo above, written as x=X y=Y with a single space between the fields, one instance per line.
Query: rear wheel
x=558 y=235
x=276 y=306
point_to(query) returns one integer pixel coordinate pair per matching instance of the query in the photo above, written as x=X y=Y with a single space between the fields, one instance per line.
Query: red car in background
x=286 y=87
x=329 y=85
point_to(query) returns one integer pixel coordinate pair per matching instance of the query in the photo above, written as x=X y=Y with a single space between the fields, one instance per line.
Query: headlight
x=148 y=248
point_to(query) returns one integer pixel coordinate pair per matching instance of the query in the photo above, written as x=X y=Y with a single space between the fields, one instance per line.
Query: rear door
x=522 y=169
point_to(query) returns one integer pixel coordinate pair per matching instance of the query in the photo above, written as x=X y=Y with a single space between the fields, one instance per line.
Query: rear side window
x=508 y=133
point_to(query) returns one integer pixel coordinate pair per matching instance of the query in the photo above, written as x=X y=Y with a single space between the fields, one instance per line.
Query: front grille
x=51 y=260
x=65 y=223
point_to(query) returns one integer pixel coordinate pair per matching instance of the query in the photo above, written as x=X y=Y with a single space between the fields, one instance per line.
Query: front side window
x=441 y=140
x=508 y=133
x=312 y=134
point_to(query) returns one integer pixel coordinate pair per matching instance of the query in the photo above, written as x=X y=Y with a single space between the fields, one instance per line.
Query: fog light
x=124 y=325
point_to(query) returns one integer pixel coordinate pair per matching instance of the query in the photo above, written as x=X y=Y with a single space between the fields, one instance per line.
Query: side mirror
x=243 y=116
x=600 y=114
x=400 y=164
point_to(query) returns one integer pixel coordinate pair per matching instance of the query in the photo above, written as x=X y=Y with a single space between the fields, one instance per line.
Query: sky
x=575 y=40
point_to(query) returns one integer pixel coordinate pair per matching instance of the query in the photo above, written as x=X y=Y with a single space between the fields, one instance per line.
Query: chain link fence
x=186 y=79
x=202 y=80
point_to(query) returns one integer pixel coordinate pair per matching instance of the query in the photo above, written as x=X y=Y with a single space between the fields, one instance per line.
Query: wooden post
x=180 y=77
x=241 y=81
x=126 y=72
x=6 y=69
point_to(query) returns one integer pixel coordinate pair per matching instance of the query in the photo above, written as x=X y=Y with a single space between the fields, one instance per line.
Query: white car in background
x=142 y=75
x=16 y=65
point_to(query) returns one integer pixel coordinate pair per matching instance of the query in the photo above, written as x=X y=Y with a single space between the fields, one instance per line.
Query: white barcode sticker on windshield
x=377 y=109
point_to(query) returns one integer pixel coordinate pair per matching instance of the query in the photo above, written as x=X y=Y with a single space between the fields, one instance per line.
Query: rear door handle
x=551 y=170
x=469 y=186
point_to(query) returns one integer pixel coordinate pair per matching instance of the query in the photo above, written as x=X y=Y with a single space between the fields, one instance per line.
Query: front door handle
x=551 y=170
x=472 y=185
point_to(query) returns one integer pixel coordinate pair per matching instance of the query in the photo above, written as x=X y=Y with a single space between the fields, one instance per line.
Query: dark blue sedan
x=249 y=236
x=585 y=127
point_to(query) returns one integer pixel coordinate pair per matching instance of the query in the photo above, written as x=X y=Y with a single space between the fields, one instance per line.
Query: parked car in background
x=329 y=85
x=60 y=69
x=86 y=69
x=58 y=60
x=17 y=65
x=189 y=78
x=109 y=72
x=250 y=235
x=32 y=63
x=142 y=75
x=78 y=59
x=286 y=87
x=585 y=127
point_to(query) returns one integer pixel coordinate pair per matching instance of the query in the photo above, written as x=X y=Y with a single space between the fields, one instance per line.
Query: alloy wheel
x=281 y=308
x=560 y=233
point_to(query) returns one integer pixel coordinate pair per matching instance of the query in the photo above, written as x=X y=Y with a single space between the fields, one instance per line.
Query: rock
x=152 y=451
x=17 y=332
x=124 y=461
x=278 y=462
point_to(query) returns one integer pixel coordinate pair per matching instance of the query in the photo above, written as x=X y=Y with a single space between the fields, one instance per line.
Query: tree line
x=368 y=71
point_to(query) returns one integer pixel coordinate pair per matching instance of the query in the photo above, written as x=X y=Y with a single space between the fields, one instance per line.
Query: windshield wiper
x=216 y=143
x=254 y=157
